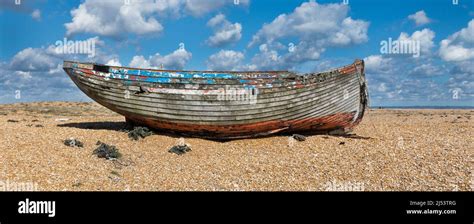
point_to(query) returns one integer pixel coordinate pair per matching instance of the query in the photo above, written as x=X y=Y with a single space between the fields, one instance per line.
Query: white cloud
x=46 y=58
x=140 y=62
x=455 y=52
x=114 y=62
x=268 y=58
x=176 y=60
x=428 y=69
x=378 y=64
x=36 y=81
x=224 y=31
x=316 y=27
x=404 y=79
x=113 y=18
x=420 y=18
x=23 y=75
x=117 y=19
x=326 y=24
x=225 y=60
x=465 y=67
x=459 y=46
x=425 y=38
x=38 y=73
x=34 y=59
x=36 y=14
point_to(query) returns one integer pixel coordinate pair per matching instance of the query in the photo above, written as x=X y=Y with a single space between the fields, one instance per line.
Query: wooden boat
x=228 y=104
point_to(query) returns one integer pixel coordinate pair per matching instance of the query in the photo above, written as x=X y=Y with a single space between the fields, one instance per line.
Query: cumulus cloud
x=23 y=75
x=393 y=80
x=409 y=81
x=117 y=19
x=420 y=18
x=392 y=88
x=424 y=37
x=35 y=83
x=114 y=62
x=113 y=18
x=324 y=23
x=225 y=60
x=34 y=59
x=140 y=62
x=38 y=74
x=44 y=59
x=378 y=64
x=224 y=31
x=315 y=26
x=459 y=46
x=176 y=60
x=268 y=58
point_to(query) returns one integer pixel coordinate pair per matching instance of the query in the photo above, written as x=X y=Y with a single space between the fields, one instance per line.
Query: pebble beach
x=391 y=150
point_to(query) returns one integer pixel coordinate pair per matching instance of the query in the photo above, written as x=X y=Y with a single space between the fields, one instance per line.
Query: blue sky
x=251 y=35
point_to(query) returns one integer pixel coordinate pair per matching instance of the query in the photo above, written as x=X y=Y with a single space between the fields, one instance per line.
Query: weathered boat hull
x=228 y=104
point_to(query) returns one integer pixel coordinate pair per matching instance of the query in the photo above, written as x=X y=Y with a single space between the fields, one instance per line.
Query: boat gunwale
x=210 y=71
x=171 y=70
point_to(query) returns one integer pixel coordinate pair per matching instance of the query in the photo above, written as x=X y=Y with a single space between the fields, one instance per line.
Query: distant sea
x=422 y=107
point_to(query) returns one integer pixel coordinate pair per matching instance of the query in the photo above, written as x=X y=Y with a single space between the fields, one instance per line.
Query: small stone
x=71 y=142
x=300 y=138
x=180 y=149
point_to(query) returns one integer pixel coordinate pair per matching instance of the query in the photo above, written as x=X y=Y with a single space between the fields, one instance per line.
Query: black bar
x=366 y=207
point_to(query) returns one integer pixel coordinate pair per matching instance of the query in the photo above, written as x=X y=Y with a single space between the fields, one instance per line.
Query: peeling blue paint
x=185 y=75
